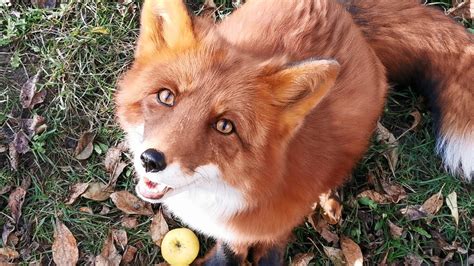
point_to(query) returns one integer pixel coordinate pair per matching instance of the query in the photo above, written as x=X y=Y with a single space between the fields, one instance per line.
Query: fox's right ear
x=165 y=25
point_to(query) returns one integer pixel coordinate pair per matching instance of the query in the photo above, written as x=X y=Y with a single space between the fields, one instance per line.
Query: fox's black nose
x=153 y=160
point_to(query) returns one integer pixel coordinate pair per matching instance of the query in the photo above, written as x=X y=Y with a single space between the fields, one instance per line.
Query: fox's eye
x=166 y=97
x=224 y=126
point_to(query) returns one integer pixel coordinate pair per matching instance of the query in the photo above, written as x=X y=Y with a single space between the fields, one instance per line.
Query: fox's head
x=206 y=120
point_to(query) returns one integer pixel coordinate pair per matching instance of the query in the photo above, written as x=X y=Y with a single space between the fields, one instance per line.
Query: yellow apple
x=180 y=247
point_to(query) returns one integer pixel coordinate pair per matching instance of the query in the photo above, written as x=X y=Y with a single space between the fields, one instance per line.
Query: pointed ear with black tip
x=164 y=24
x=300 y=87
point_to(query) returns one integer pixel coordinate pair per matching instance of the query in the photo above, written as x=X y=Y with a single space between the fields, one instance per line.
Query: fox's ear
x=165 y=24
x=300 y=87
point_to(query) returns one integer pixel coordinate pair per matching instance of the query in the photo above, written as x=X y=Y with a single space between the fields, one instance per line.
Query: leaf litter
x=158 y=228
x=130 y=204
x=65 y=251
x=85 y=146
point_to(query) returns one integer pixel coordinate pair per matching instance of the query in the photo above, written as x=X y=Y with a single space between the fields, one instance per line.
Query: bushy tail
x=419 y=45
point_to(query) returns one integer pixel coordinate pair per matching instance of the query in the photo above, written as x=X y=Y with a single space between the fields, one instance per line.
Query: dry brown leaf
x=33 y=126
x=116 y=173
x=395 y=230
x=302 y=259
x=5 y=189
x=14 y=156
x=120 y=237
x=105 y=210
x=129 y=254
x=85 y=146
x=38 y=98
x=129 y=222
x=15 y=202
x=352 y=253
x=158 y=228
x=8 y=228
x=75 y=191
x=86 y=210
x=3 y=148
x=28 y=91
x=97 y=192
x=335 y=255
x=64 y=247
x=322 y=228
x=331 y=207
x=413 y=213
x=452 y=202
x=109 y=255
x=374 y=196
x=112 y=158
x=130 y=204
x=413 y=260
x=433 y=204
x=394 y=191
x=44 y=3
x=7 y=253
x=384 y=136
x=20 y=142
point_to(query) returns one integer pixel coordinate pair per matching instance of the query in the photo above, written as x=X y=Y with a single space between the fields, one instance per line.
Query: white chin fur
x=457 y=152
x=202 y=200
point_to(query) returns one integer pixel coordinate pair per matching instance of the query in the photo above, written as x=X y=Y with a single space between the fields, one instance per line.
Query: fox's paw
x=457 y=152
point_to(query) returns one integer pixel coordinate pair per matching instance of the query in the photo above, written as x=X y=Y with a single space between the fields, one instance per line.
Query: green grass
x=81 y=48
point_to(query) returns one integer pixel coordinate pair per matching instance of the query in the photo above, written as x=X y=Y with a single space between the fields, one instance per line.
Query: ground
x=79 y=50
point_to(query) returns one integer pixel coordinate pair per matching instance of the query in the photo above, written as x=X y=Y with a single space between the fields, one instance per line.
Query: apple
x=180 y=247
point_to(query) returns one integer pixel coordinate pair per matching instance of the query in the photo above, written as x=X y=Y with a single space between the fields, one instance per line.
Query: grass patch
x=80 y=49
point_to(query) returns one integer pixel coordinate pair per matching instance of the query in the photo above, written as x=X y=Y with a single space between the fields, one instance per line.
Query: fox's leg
x=223 y=254
x=267 y=255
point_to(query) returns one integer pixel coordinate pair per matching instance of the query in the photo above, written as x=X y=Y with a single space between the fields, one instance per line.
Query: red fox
x=238 y=127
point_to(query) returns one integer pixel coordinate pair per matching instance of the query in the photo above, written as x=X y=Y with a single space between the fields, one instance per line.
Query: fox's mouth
x=150 y=190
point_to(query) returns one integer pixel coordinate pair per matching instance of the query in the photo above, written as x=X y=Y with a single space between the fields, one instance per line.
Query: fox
x=237 y=127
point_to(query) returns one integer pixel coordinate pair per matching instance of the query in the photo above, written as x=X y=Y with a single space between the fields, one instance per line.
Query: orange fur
x=302 y=120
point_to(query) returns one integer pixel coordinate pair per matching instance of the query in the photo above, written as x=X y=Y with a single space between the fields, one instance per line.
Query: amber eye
x=224 y=126
x=166 y=97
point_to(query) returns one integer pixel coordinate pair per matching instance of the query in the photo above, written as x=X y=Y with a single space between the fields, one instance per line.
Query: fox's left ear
x=300 y=87
x=164 y=24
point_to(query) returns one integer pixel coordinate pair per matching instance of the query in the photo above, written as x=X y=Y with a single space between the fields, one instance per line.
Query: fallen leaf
x=158 y=228
x=5 y=189
x=8 y=228
x=33 y=126
x=395 y=230
x=86 y=210
x=416 y=121
x=38 y=98
x=116 y=173
x=44 y=3
x=130 y=204
x=25 y=183
x=302 y=259
x=85 y=146
x=129 y=254
x=3 y=148
x=433 y=204
x=322 y=228
x=352 y=253
x=20 y=142
x=64 y=247
x=384 y=136
x=97 y=191
x=75 y=191
x=331 y=207
x=335 y=255
x=413 y=213
x=7 y=253
x=470 y=260
x=28 y=91
x=374 y=196
x=120 y=237
x=413 y=260
x=15 y=202
x=129 y=222
x=394 y=191
x=14 y=156
x=452 y=202
x=109 y=255
x=105 y=210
